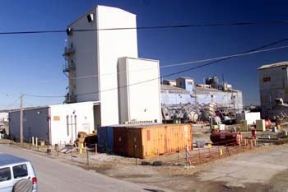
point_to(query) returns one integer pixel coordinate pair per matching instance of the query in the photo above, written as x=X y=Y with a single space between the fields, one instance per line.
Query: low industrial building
x=54 y=124
x=273 y=83
x=187 y=99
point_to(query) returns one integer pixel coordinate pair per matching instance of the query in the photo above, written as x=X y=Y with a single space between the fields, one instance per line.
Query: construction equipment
x=86 y=140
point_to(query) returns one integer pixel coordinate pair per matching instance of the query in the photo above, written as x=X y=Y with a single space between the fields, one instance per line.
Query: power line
x=150 y=27
x=13 y=103
x=224 y=57
x=214 y=60
x=192 y=68
x=43 y=96
x=218 y=59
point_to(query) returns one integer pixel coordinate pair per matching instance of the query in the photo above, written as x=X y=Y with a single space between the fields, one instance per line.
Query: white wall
x=79 y=116
x=140 y=88
x=113 y=44
x=85 y=58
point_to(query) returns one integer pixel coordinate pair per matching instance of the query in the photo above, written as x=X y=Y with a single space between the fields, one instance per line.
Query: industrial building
x=273 y=84
x=54 y=124
x=108 y=83
x=103 y=64
x=186 y=99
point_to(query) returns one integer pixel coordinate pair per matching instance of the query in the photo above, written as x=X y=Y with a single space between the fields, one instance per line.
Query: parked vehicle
x=16 y=174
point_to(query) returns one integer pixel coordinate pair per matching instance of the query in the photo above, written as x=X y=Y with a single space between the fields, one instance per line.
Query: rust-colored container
x=147 y=141
x=120 y=140
x=223 y=138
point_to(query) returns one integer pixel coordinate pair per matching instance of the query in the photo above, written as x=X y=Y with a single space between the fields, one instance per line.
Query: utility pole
x=21 y=119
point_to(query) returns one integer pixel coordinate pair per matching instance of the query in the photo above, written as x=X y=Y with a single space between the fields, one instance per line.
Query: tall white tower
x=92 y=53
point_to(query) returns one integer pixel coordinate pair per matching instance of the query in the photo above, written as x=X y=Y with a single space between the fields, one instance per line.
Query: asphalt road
x=54 y=175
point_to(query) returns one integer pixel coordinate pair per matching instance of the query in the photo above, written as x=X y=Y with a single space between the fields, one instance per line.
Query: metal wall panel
x=105 y=139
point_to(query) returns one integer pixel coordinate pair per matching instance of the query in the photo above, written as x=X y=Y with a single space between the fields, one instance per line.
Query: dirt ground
x=173 y=174
x=177 y=178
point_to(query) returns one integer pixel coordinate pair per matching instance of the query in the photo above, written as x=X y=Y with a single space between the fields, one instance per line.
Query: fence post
x=220 y=151
x=71 y=155
x=227 y=149
x=135 y=154
x=58 y=149
x=87 y=152
x=199 y=155
x=36 y=143
x=95 y=149
x=178 y=151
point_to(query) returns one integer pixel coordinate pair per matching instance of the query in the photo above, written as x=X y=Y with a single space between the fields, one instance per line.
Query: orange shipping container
x=147 y=141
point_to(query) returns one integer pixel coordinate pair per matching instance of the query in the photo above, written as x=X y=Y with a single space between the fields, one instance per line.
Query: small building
x=169 y=82
x=54 y=124
x=273 y=85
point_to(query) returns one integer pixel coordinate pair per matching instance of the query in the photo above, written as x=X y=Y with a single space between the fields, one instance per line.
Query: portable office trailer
x=146 y=141
x=54 y=124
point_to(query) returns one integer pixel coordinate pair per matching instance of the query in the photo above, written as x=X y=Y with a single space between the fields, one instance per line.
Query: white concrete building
x=91 y=66
x=56 y=124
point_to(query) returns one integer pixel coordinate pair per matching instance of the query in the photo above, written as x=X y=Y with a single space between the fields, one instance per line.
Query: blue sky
x=32 y=63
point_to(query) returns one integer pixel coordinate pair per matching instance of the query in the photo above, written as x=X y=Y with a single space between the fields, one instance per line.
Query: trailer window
x=5 y=174
x=20 y=171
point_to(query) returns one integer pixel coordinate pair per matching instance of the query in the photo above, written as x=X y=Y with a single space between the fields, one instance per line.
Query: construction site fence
x=191 y=157
x=218 y=151
x=210 y=152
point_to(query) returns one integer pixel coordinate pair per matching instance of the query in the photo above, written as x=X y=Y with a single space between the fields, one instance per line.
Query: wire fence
x=220 y=150
x=196 y=156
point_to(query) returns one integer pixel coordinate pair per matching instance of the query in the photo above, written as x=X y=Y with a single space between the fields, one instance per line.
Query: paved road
x=57 y=176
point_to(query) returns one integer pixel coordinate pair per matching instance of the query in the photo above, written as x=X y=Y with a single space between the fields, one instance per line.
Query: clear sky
x=32 y=63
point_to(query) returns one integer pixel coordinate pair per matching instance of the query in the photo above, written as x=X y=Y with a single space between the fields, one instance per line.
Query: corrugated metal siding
x=120 y=140
x=105 y=139
x=147 y=141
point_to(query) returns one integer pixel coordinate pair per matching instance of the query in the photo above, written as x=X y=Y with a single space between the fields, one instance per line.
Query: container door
x=120 y=140
x=161 y=140
x=166 y=134
x=134 y=142
x=101 y=134
x=109 y=136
